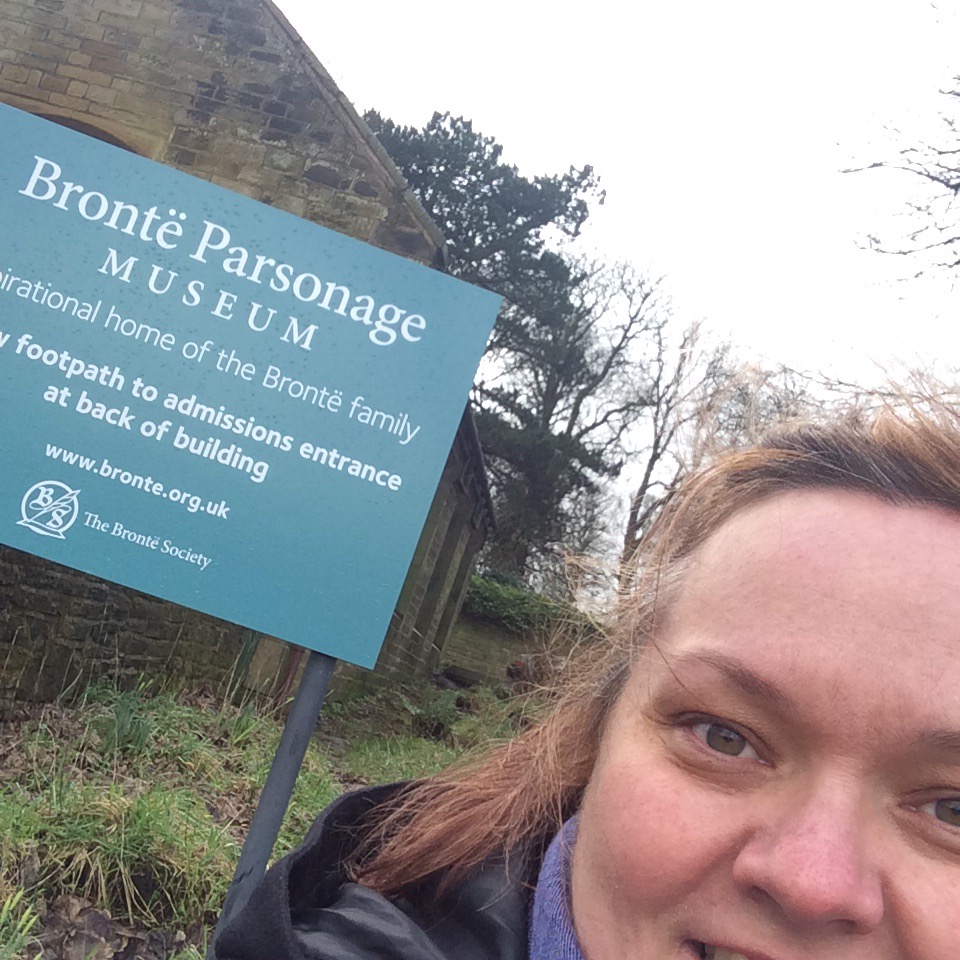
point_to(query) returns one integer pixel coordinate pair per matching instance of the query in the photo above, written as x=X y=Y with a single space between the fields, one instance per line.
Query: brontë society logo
x=49 y=508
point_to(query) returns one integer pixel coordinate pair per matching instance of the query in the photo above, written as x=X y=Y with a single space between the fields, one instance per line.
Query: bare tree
x=554 y=404
x=932 y=233
x=673 y=384
x=705 y=402
x=742 y=401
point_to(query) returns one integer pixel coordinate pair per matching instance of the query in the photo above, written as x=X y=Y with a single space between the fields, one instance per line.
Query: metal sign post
x=276 y=793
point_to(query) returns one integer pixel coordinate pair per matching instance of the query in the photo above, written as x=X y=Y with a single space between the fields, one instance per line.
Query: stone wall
x=59 y=629
x=227 y=91
x=430 y=601
x=486 y=649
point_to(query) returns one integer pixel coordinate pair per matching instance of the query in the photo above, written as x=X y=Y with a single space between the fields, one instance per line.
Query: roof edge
x=393 y=171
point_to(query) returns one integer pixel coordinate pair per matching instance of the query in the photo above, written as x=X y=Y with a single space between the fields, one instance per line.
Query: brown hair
x=515 y=795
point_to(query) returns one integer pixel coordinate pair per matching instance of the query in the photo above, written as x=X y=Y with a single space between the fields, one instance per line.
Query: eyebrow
x=737 y=674
x=940 y=739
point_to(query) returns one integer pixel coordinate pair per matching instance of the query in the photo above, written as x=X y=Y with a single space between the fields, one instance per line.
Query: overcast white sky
x=718 y=130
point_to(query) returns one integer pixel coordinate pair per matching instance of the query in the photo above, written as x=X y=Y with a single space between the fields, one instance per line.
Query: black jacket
x=305 y=909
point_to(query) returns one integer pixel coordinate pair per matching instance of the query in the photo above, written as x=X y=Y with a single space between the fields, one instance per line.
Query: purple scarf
x=552 y=936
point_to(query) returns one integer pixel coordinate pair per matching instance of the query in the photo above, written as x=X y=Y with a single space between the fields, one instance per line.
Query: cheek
x=924 y=908
x=648 y=837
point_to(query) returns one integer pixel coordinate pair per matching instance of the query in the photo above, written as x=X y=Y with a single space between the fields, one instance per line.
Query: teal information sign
x=216 y=402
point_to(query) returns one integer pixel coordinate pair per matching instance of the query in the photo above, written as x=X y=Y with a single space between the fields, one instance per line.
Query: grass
x=147 y=856
x=17 y=922
x=386 y=759
x=138 y=803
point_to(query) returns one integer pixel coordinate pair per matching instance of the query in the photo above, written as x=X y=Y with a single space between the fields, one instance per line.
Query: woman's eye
x=723 y=739
x=946 y=811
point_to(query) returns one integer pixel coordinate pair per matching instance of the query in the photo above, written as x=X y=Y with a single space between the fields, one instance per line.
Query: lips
x=710 y=952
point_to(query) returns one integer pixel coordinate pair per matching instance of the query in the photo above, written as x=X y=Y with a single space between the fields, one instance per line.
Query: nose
x=813 y=858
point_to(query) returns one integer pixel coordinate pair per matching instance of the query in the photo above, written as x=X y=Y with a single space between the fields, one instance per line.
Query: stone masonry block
x=286 y=161
x=100 y=94
x=82 y=73
x=120 y=38
x=90 y=31
x=131 y=121
x=212 y=7
x=157 y=12
x=191 y=139
x=120 y=8
x=67 y=103
x=117 y=20
x=114 y=50
x=41 y=21
x=35 y=50
x=15 y=73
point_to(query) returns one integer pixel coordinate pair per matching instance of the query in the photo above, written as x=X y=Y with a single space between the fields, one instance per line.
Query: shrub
x=516 y=609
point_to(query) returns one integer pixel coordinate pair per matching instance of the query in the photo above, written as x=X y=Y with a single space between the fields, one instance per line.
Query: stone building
x=227 y=91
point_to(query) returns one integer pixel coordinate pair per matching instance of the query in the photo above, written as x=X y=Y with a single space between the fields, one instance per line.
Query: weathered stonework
x=226 y=91
x=486 y=649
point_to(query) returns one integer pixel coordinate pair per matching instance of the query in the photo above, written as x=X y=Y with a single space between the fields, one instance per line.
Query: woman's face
x=781 y=778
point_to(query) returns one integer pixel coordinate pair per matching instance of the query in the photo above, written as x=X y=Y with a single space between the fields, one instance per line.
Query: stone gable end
x=223 y=89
